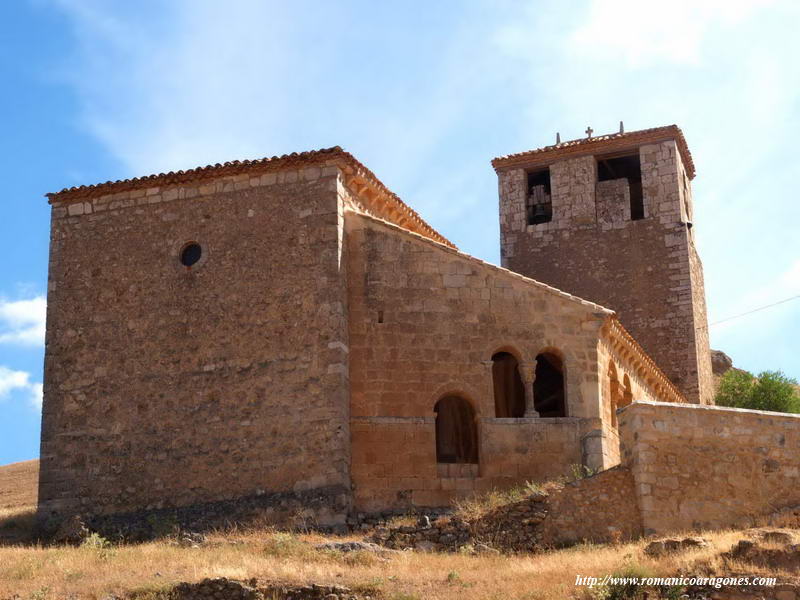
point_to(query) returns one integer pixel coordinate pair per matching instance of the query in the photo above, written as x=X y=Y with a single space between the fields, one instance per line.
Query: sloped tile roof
x=335 y=155
x=599 y=144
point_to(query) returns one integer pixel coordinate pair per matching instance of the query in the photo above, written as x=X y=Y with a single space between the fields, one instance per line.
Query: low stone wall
x=599 y=509
x=513 y=527
x=708 y=467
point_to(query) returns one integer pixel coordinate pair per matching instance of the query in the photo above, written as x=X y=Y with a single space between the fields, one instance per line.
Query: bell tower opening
x=538 y=205
x=625 y=167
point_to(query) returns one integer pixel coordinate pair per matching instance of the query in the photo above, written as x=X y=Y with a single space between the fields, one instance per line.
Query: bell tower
x=609 y=219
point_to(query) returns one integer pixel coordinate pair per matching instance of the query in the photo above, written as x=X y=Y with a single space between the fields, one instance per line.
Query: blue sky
x=423 y=93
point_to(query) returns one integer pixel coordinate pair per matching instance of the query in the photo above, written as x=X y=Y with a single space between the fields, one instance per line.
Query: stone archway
x=456 y=431
x=549 y=391
x=509 y=391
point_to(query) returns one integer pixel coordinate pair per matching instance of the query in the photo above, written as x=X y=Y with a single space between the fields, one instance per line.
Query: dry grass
x=19 y=484
x=18 y=494
x=97 y=570
x=94 y=572
x=17 y=525
x=474 y=507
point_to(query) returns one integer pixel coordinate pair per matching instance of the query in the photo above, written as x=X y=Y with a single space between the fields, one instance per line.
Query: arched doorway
x=549 y=398
x=456 y=431
x=509 y=391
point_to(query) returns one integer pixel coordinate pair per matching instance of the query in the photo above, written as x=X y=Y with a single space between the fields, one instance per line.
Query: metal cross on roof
x=589 y=132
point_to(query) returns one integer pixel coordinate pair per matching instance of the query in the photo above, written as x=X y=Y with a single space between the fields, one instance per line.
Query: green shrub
x=40 y=594
x=735 y=389
x=632 y=583
x=99 y=544
x=532 y=487
x=284 y=544
x=627 y=590
x=578 y=472
x=771 y=391
x=95 y=541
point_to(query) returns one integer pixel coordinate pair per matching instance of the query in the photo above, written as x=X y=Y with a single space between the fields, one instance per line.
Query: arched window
x=509 y=391
x=456 y=431
x=548 y=388
x=627 y=391
x=614 y=392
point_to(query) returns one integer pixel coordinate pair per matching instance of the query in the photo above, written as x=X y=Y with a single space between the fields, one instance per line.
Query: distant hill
x=19 y=484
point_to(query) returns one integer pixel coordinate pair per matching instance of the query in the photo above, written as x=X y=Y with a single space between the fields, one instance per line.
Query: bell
x=539 y=210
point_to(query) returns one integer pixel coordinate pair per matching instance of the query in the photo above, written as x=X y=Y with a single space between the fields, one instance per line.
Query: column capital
x=527 y=372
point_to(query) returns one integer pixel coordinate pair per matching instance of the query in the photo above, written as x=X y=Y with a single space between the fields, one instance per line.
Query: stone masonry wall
x=634 y=382
x=167 y=385
x=702 y=350
x=394 y=459
x=600 y=508
x=709 y=467
x=646 y=270
x=425 y=321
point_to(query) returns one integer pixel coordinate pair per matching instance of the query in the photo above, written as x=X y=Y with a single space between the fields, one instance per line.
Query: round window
x=190 y=254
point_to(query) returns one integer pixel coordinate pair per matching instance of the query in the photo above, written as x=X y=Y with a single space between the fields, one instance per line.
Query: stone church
x=290 y=326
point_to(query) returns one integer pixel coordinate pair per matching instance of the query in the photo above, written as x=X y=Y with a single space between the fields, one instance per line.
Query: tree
x=771 y=391
x=735 y=389
x=776 y=392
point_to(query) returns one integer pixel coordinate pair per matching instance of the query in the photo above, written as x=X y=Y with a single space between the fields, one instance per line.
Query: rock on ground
x=222 y=588
x=350 y=547
x=670 y=545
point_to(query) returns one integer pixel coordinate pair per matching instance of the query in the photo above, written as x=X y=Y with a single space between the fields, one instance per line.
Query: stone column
x=488 y=364
x=527 y=372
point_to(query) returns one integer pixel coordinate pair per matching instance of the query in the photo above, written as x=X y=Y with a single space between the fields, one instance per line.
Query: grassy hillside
x=18 y=484
x=18 y=491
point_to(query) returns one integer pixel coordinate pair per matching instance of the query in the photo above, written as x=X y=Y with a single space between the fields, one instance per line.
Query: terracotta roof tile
x=597 y=144
x=261 y=165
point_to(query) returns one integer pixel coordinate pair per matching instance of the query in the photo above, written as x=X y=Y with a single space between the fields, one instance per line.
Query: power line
x=755 y=310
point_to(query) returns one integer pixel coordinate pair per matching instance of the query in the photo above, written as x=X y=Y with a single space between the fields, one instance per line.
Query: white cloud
x=23 y=321
x=20 y=381
x=36 y=394
x=643 y=33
